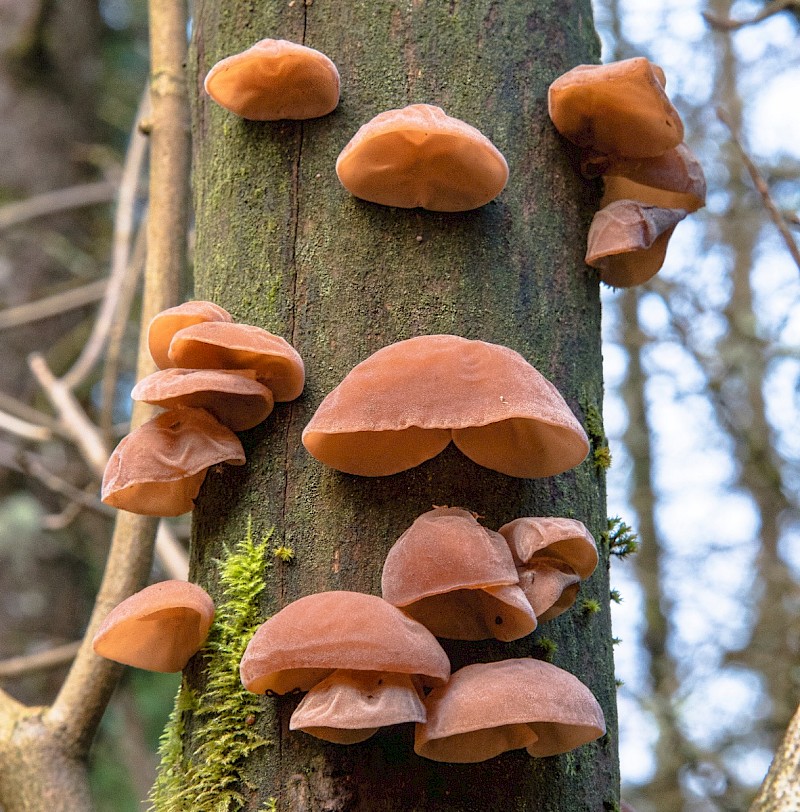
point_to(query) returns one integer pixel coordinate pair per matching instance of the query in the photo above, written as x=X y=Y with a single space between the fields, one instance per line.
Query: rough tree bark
x=282 y=245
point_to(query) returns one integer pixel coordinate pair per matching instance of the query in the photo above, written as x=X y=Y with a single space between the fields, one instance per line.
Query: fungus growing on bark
x=234 y=397
x=275 y=79
x=214 y=345
x=157 y=470
x=616 y=109
x=488 y=708
x=365 y=656
x=552 y=556
x=627 y=241
x=166 y=323
x=406 y=402
x=457 y=578
x=674 y=180
x=420 y=156
x=158 y=628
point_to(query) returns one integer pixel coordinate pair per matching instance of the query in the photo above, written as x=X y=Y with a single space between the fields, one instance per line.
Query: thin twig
x=38 y=661
x=21 y=428
x=20 y=409
x=123 y=231
x=770 y=9
x=73 y=197
x=54 y=305
x=81 y=430
x=763 y=190
x=116 y=333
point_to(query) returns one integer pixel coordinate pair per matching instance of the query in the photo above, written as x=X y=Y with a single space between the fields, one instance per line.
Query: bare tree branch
x=769 y=10
x=24 y=429
x=53 y=305
x=763 y=189
x=73 y=197
x=38 y=661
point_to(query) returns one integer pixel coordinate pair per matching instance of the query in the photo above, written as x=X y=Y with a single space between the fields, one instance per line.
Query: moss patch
x=221 y=718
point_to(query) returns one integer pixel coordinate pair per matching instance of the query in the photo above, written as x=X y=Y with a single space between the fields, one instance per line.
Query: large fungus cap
x=628 y=241
x=552 y=556
x=275 y=79
x=157 y=470
x=674 y=180
x=347 y=707
x=616 y=109
x=403 y=405
x=420 y=156
x=166 y=323
x=234 y=397
x=308 y=639
x=488 y=708
x=159 y=628
x=214 y=345
x=457 y=578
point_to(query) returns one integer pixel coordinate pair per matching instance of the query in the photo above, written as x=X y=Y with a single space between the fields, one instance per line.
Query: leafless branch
x=24 y=429
x=53 y=305
x=123 y=231
x=73 y=197
x=763 y=189
x=38 y=661
x=769 y=10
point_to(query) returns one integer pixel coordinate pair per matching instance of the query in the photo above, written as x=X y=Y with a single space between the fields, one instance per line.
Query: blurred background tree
x=702 y=368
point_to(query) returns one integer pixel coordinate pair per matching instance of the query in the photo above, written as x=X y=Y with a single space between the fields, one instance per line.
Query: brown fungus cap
x=403 y=405
x=157 y=470
x=616 y=109
x=308 y=639
x=159 y=628
x=628 y=241
x=165 y=324
x=275 y=79
x=552 y=555
x=214 y=345
x=457 y=578
x=488 y=708
x=674 y=180
x=234 y=397
x=420 y=156
x=348 y=707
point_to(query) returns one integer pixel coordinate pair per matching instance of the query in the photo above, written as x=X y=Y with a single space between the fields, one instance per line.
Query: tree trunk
x=282 y=245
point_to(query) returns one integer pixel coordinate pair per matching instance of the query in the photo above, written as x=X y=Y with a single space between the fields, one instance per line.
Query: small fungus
x=234 y=397
x=157 y=469
x=406 y=402
x=616 y=109
x=214 y=345
x=420 y=156
x=674 y=180
x=367 y=659
x=628 y=240
x=457 y=578
x=275 y=79
x=158 y=629
x=488 y=708
x=552 y=556
x=166 y=323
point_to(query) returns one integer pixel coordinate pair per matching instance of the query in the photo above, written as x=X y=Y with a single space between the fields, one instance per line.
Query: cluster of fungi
x=364 y=661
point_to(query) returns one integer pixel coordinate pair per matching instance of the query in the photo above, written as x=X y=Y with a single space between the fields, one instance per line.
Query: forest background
x=702 y=370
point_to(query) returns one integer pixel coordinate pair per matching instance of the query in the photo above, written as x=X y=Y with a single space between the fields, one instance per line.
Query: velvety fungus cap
x=457 y=578
x=164 y=325
x=214 y=345
x=420 y=156
x=157 y=470
x=488 y=708
x=275 y=79
x=310 y=638
x=234 y=397
x=616 y=109
x=628 y=241
x=406 y=402
x=158 y=628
